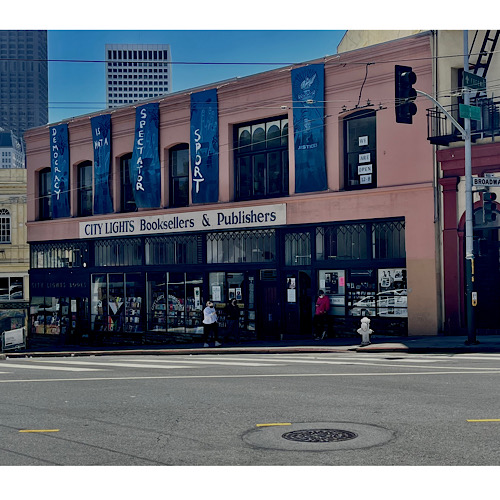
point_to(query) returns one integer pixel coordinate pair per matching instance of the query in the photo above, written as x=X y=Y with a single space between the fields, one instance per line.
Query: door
x=268 y=306
x=298 y=304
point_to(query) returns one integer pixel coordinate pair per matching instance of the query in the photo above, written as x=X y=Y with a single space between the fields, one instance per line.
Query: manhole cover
x=319 y=435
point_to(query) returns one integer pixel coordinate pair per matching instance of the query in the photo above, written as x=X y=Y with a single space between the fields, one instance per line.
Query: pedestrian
x=233 y=321
x=320 y=320
x=210 y=326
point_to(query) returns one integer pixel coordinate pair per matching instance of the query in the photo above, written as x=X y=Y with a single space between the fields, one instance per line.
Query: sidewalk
x=380 y=344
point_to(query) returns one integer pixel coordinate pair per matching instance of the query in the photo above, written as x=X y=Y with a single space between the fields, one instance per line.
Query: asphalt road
x=337 y=409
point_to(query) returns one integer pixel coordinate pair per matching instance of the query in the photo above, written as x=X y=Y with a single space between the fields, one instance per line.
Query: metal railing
x=441 y=131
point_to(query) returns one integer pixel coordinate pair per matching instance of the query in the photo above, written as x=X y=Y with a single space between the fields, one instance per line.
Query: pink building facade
x=264 y=189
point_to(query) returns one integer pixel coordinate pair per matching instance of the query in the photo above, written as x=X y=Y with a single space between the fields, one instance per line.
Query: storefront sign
x=101 y=136
x=59 y=166
x=308 y=90
x=205 y=147
x=145 y=164
x=210 y=220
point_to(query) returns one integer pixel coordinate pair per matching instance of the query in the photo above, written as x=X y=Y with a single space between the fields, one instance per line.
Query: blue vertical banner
x=59 y=166
x=205 y=147
x=308 y=94
x=145 y=165
x=101 y=137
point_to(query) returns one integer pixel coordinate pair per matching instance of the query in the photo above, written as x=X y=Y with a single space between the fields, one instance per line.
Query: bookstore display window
x=56 y=315
x=381 y=292
x=332 y=282
x=225 y=286
x=117 y=303
x=175 y=302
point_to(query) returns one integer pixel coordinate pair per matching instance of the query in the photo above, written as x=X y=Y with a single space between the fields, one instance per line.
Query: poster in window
x=392 y=297
x=239 y=295
x=216 y=293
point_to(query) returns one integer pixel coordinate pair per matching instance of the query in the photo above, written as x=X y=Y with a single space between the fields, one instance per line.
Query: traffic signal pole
x=469 y=209
x=469 y=213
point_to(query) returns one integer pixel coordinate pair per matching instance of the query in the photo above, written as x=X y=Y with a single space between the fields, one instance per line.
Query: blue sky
x=77 y=88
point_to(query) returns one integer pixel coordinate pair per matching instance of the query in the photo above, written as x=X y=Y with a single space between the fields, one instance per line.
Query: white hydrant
x=365 y=331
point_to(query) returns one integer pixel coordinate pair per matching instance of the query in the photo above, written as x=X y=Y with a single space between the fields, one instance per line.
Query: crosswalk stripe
x=60 y=368
x=109 y=364
x=210 y=362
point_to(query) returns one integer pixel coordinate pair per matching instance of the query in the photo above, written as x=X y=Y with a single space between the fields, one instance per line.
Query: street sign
x=472 y=112
x=486 y=181
x=473 y=81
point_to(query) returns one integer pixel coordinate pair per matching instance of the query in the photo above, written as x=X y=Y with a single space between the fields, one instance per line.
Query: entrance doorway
x=268 y=306
x=299 y=304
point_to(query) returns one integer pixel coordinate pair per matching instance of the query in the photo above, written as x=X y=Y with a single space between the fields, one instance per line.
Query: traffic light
x=404 y=79
x=489 y=214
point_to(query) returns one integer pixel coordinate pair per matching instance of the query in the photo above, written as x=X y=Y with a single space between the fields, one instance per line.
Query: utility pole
x=469 y=213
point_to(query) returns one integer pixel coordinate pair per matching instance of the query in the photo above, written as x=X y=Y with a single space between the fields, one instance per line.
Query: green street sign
x=472 y=112
x=473 y=81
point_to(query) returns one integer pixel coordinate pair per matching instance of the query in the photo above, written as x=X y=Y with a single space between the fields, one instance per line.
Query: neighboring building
x=135 y=72
x=11 y=151
x=14 y=250
x=264 y=188
x=23 y=80
x=448 y=70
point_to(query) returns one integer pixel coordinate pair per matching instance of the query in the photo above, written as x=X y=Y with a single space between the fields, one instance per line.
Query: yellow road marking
x=41 y=430
x=269 y=425
x=485 y=420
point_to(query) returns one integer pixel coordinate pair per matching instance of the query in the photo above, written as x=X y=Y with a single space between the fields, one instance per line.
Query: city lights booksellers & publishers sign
x=210 y=220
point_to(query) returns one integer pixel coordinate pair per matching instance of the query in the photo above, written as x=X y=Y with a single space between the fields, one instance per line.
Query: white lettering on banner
x=55 y=161
x=140 y=147
x=266 y=215
x=197 y=175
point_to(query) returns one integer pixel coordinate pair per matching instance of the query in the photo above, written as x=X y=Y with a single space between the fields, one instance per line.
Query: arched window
x=179 y=176
x=4 y=226
x=44 y=194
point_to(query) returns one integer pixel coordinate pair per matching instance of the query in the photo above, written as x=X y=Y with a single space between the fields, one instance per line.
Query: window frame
x=85 y=206
x=44 y=194
x=176 y=197
x=256 y=157
x=5 y=227
x=127 y=202
x=352 y=152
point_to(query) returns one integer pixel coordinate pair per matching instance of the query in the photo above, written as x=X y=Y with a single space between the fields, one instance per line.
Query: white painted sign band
x=210 y=220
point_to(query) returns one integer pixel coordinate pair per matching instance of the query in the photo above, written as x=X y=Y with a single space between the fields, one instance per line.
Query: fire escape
x=440 y=130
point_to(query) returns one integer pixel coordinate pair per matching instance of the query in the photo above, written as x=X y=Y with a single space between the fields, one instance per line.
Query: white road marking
x=108 y=364
x=222 y=362
x=277 y=375
x=61 y=368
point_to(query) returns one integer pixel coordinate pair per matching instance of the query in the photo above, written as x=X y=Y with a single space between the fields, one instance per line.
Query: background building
x=11 y=151
x=23 y=80
x=136 y=72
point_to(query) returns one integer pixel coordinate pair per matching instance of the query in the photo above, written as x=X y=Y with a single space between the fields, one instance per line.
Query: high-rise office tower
x=136 y=72
x=23 y=80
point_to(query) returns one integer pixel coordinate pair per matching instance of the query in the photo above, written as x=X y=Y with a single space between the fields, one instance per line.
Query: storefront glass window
x=332 y=282
x=241 y=246
x=175 y=303
x=297 y=249
x=121 y=252
x=55 y=255
x=388 y=240
x=346 y=241
x=173 y=250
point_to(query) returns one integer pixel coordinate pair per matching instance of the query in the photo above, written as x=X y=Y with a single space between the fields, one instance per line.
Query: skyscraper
x=23 y=80
x=136 y=72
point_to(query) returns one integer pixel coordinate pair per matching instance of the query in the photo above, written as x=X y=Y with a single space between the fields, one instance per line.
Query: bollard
x=365 y=331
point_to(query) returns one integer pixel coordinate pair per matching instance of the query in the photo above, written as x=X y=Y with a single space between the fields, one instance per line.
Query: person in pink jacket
x=320 y=320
